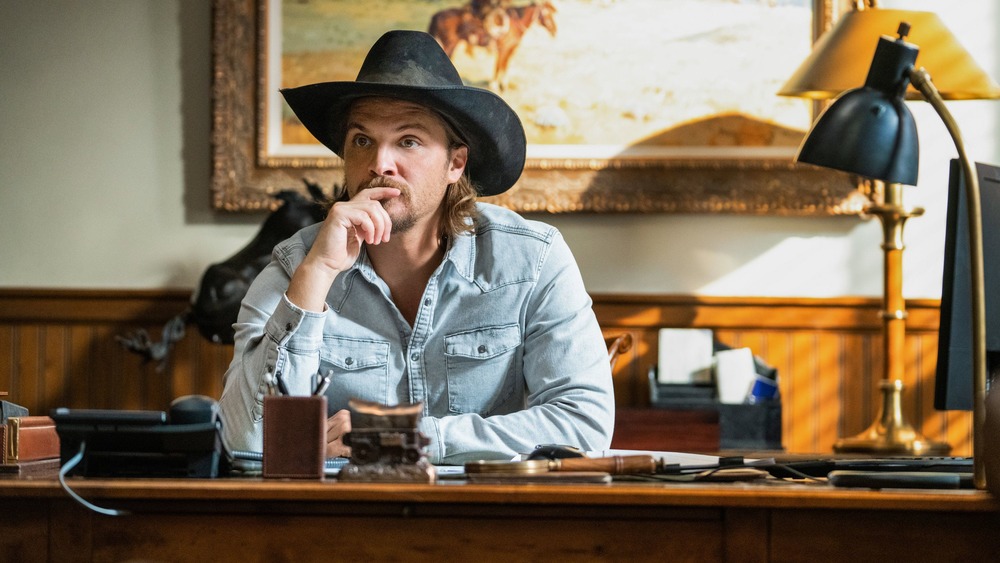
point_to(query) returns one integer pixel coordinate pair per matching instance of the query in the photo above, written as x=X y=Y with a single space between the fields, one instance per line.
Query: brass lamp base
x=890 y=434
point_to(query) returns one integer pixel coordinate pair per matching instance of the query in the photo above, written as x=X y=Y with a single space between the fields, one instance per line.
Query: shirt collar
x=364 y=265
x=462 y=254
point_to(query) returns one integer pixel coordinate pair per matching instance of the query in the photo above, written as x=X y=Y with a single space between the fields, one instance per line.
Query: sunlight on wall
x=808 y=257
x=111 y=125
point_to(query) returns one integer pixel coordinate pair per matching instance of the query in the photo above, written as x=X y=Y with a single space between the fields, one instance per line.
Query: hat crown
x=410 y=58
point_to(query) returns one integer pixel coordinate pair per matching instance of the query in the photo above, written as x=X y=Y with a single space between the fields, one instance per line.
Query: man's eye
x=361 y=141
x=409 y=143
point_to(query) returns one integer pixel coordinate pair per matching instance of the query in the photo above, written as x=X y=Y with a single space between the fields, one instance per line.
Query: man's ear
x=459 y=158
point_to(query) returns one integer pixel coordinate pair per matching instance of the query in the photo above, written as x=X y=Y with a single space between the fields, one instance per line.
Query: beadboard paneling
x=828 y=353
x=58 y=348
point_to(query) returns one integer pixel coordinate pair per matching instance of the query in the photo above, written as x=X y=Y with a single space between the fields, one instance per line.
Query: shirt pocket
x=360 y=370
x=480 y=366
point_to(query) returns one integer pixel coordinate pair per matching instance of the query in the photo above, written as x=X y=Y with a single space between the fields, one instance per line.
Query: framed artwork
x=628 y=105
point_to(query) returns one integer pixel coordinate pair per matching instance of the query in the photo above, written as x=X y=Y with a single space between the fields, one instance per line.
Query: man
x=493 y=15
x=411 y=291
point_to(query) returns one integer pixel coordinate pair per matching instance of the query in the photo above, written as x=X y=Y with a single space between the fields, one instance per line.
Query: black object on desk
x=821 y=466
x=896 y=479
x=138 y=443
x=741 y=426
x=555 y=451
x=746 y=427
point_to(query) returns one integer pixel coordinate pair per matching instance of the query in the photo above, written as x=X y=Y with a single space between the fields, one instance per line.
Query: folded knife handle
x=615 y=465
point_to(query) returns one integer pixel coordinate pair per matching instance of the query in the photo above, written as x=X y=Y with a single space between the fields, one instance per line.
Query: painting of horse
x=499 y=30
x=590 y=79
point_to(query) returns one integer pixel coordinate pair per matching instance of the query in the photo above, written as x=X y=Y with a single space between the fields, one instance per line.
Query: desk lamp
x=839 y=59
x=869 y=131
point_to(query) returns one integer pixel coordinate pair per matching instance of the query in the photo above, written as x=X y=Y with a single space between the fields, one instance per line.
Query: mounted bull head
x=216 y=303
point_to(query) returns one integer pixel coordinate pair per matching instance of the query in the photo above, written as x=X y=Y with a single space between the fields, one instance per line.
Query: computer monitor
x=953 y=379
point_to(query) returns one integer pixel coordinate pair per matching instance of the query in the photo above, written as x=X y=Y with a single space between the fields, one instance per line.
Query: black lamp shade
x=865 y=133
x=869 y=130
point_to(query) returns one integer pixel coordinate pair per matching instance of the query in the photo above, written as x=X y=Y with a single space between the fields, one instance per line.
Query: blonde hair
x=460 y=210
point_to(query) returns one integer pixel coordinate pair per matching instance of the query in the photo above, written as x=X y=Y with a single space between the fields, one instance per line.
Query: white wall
x=105 y=167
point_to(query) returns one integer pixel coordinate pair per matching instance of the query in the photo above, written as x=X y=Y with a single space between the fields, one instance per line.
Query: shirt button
x=482 y=348
x=288 y=326
x=348 y=360
x=427 y=302
x=415 y=356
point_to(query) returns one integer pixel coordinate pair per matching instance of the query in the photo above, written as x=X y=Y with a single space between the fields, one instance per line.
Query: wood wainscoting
x=828 y=353
x=58 y=348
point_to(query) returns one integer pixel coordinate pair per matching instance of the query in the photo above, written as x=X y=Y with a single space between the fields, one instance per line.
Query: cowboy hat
x=410 y=65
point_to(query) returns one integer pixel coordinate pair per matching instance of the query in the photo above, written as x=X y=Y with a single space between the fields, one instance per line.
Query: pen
x=323 y=384
x=282 y=388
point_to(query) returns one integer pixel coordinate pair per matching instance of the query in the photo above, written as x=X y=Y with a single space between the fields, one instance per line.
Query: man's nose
x=384 y=162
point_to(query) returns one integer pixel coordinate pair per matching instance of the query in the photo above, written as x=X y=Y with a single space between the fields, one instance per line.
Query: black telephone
x=139 y=443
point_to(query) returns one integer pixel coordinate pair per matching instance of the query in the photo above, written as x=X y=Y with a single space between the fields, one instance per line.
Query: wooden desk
x=253 y=520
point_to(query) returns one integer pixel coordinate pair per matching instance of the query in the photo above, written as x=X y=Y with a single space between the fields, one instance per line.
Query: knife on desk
x=612 y=465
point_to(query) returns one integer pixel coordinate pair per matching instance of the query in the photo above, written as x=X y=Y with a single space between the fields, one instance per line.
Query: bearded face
x=402 y=145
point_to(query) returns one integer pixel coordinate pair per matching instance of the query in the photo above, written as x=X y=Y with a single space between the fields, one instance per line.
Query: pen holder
x=294 y=437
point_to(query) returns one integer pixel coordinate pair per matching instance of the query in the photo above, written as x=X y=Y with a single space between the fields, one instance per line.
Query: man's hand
x=336 y=426
x=362 y=219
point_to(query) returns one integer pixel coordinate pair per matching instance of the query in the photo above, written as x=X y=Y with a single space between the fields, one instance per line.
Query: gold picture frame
x=246 y=173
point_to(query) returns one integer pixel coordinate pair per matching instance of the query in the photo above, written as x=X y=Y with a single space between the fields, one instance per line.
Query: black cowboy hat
x=410 y=65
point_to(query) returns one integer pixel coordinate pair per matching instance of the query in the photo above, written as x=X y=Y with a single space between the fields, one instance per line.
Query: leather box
x=28 y=438
x=37 y=468
x=294 y=437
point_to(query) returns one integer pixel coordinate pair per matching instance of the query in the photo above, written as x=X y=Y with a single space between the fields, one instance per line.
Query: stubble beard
x=400 y=223
x=407 y=218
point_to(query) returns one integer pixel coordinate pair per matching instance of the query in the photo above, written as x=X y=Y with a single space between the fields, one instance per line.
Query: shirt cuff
x=435 y=450
x=290 y=322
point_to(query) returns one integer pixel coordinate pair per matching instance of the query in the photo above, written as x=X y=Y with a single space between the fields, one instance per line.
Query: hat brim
x=493 y=131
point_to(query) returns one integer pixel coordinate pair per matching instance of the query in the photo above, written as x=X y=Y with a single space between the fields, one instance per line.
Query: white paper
x=734 y=375
x=685 y=355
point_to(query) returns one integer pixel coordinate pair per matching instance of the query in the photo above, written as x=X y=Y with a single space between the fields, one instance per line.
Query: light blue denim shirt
x=505 y=352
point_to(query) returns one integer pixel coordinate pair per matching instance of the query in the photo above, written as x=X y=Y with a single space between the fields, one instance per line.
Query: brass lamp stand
x=890 y=433
x=890 y=154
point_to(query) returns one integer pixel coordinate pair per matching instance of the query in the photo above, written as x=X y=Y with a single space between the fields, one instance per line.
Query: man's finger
x=378 y=194
x=368 y=218
x=339 y=422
